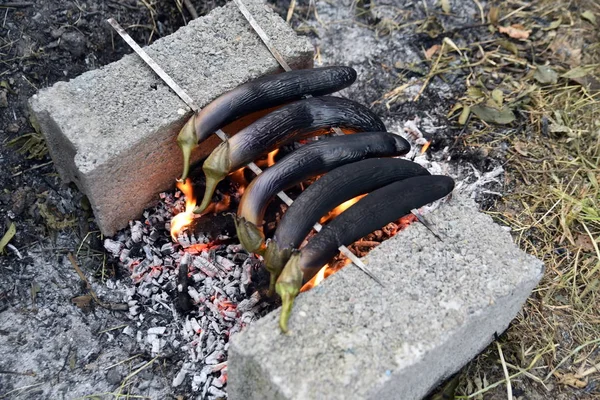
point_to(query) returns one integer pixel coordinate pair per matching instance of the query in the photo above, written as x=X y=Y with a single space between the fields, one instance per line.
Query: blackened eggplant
x=331 y=190
x=308 y=161
x=373 y=211
x=298 y=120
x=259 y=94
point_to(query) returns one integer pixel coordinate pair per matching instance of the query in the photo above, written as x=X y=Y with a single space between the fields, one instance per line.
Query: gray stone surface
x=351 y=339
x=112 y=130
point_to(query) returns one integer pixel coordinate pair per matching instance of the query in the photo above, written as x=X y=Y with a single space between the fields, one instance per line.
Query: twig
x=191 y=9
x=108 y=306
x=290 y=12
x=15 y=4
x=505 y=369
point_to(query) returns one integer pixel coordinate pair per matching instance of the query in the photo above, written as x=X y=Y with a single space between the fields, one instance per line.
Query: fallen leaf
x=558 y=128
x=510 y=46
x=498 y=96
x=501 y=116
x=545 y=74
x=589 y=16
x=569 y=379
x=454 y=109
x=515 y=31
x=584 y=242
x=83 y=302
x=464 y=115
x=431 y=51
x=579 y=72
x=493 y=15
x=474 y=92
x=519 y=148
x=450 y=43
x=12 y=230
x=446 y=6
x=553 y=25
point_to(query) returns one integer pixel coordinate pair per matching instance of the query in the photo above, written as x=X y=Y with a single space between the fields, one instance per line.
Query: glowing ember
x=340 y=209
x=182 y=220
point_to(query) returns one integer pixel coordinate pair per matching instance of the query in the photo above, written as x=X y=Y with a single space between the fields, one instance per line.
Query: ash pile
x=187 y=297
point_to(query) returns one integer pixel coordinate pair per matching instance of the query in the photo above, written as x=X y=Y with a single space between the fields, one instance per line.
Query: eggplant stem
x=288 y=286
x=187 y=141
x=216 y=167
x=251 y=236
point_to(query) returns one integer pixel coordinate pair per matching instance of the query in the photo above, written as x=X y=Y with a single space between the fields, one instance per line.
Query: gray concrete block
x=112 y=130
x=352 y=339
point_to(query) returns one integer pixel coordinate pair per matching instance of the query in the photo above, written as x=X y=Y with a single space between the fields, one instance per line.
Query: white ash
x=219 y=277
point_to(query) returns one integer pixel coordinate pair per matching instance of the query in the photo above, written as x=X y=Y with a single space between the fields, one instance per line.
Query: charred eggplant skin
x=315 y=159
x=336 y=187
x=298 y=120
x=373 y=211
x=270 y=91
x=259 y=94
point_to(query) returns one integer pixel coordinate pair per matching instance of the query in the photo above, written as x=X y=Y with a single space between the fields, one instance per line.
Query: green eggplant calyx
x=275 y=259
x=288 y=286
x=250 y=236
x=187 y=141
x=215 y=167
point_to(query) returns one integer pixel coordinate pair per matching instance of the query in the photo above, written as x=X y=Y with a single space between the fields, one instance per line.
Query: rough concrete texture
x=112 y=130
x=352 y=339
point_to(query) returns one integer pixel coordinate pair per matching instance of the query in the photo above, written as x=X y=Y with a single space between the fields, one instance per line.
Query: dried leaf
x=584 y=242
x=554 y=24
x=446 y=6
x=569 y=379
x=464 y=115
x=545 y=74
x=515 y=31
x=519 y=148
x=431 y=51
x=579 y=72
x=501 y=116
x=82 y=302
x=589 y=16
x=12 y=230
x=558 y=128
x=454 y=109
x=474 y=93
x=450 y=43
x=498 y=96
x=494 y=15
x=510 y=46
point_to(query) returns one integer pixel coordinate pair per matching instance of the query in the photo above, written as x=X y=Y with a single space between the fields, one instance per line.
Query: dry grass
x=552 y=203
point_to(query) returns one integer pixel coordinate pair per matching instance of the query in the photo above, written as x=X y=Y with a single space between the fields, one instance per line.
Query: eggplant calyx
x=187 y=140
x=275 y=259
x=288 y=286
x=250 y=236
x=215 y=167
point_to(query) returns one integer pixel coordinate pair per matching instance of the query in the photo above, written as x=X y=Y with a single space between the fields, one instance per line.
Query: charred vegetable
x=372 y=212
x=310 y=160
x=331 y=190
x=295 y=121
x=259 y=94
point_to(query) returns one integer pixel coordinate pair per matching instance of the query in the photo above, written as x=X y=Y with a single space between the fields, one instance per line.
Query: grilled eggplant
x=308 y=161
x=295 y=121
x=375 y=210
x=259 y=94
x=331 y=190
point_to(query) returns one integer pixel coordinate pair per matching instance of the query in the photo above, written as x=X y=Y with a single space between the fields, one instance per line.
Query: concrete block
x=352 y=339
x=112 y=130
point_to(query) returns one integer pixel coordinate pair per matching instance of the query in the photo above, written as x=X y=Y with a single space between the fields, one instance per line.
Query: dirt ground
x=481 y=97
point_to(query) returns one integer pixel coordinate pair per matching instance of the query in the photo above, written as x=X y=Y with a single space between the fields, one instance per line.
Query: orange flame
x=271 y=157
x=425 y=146
x=318 y=278
x=182 y=220
x=340 y=209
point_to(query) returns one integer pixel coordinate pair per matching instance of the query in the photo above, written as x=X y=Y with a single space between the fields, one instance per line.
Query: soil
x=53 y=349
